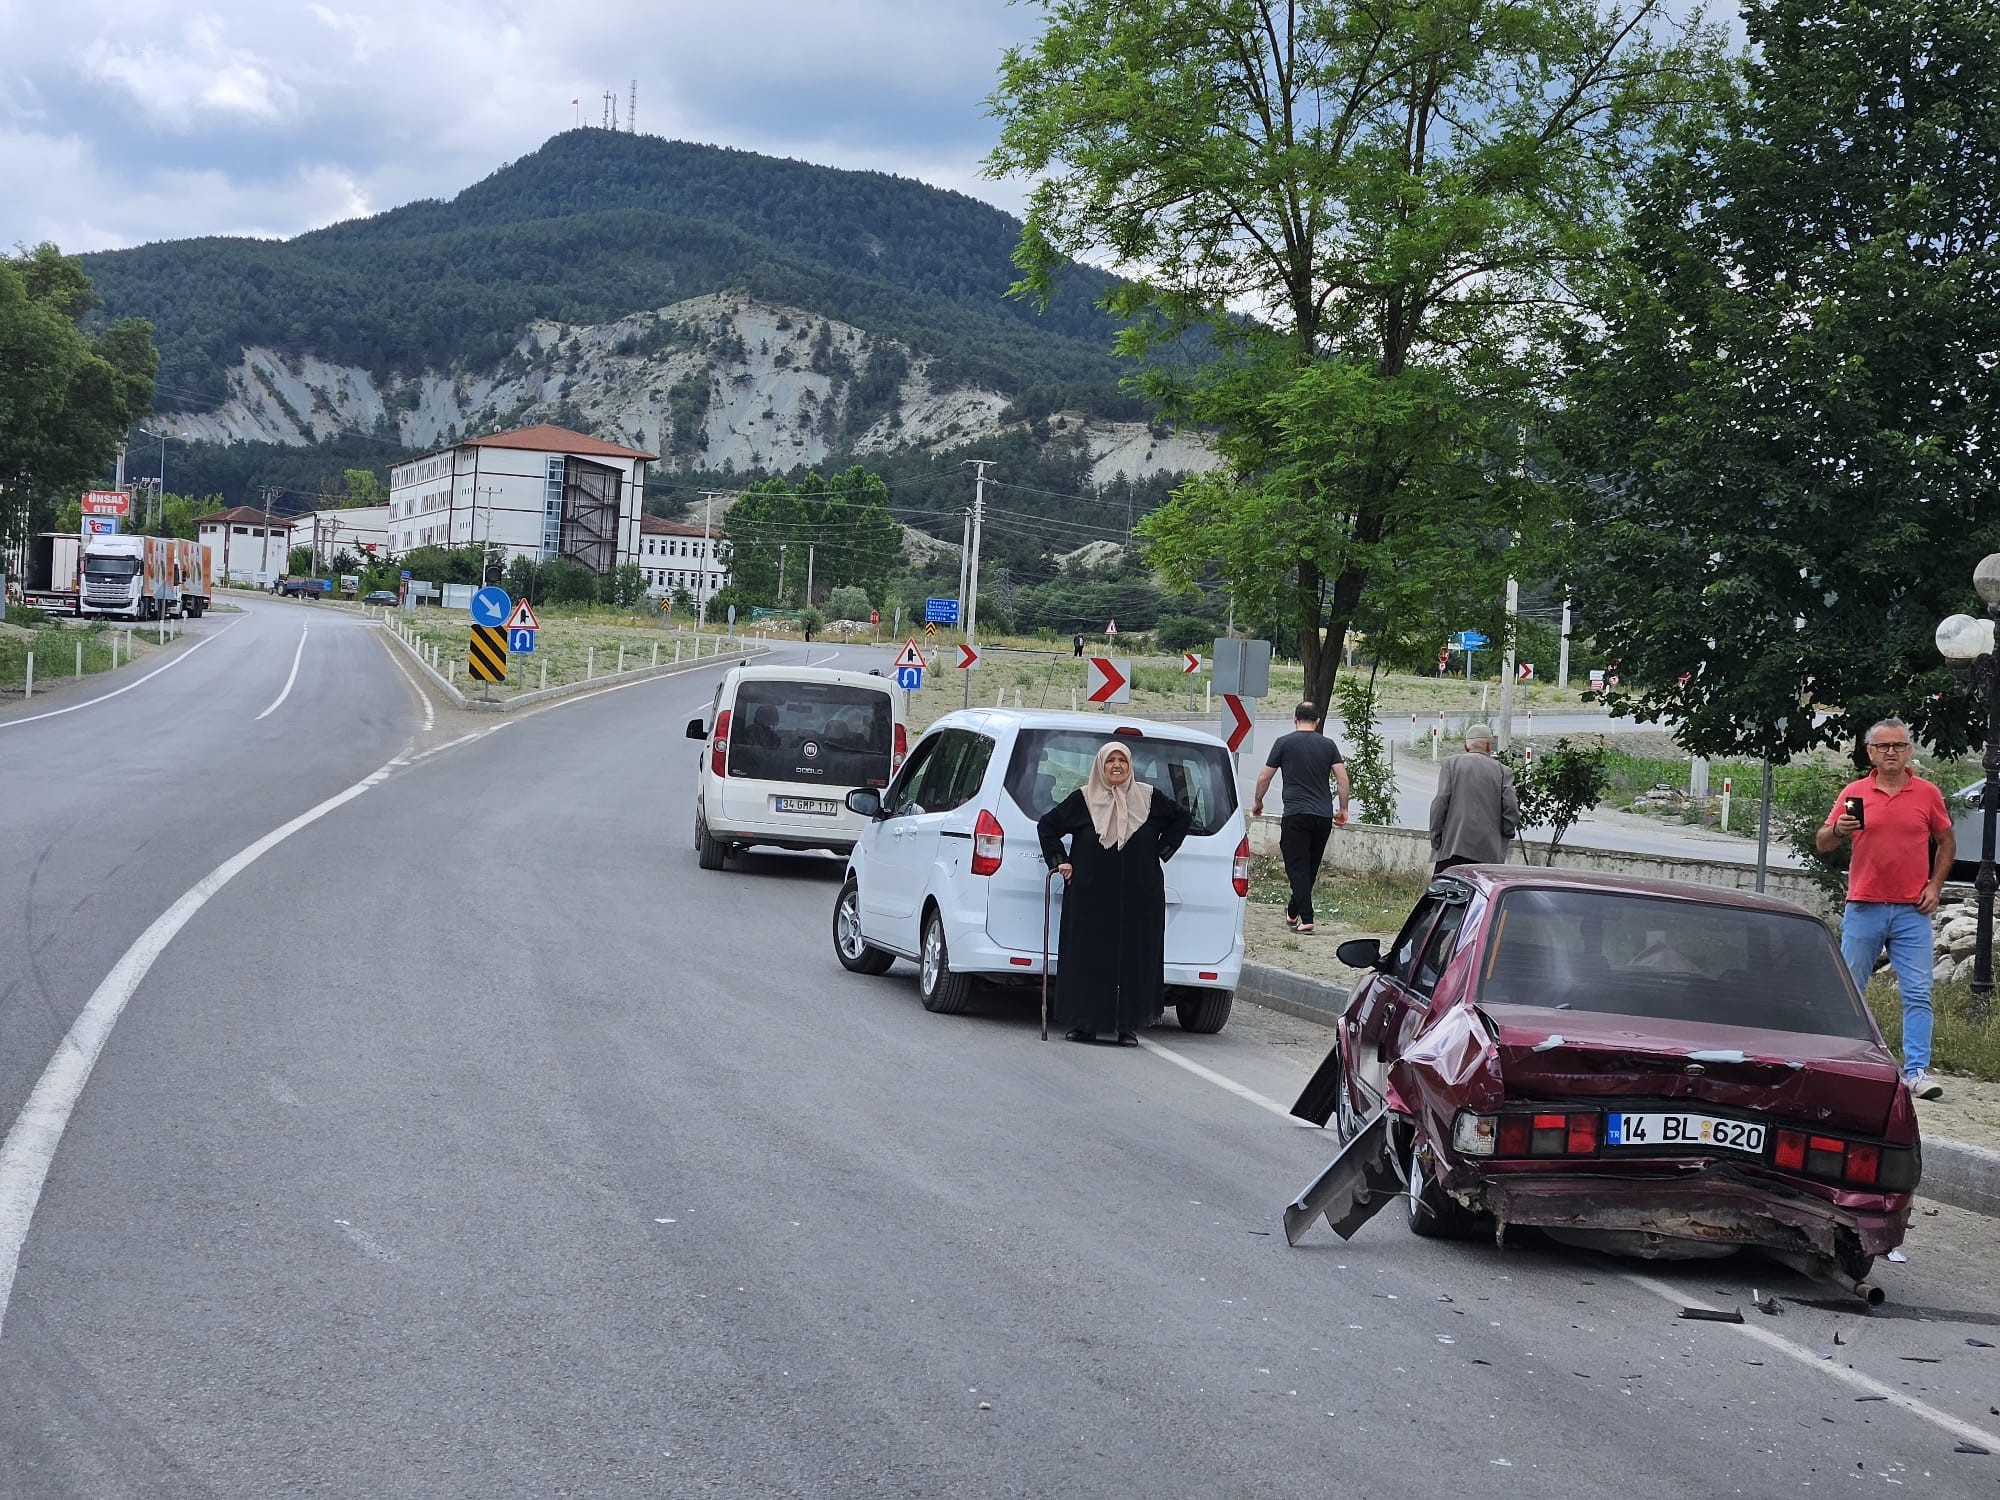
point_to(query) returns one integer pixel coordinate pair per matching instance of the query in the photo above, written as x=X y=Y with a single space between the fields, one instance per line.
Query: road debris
x=1978 y=1343
x=1897 y=1258
x=1972 y=1448
x=1711 y=1315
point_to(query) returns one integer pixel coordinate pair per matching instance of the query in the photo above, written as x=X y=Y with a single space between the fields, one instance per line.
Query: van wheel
x=708 y=850
x=1430 y=1211
x=1205 y=1011
x=855 y=955
x=944 y=993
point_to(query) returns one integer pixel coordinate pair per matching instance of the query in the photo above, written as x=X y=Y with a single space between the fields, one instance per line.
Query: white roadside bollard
x=656 y=653
x=114 y=653
x=545 y=671
x=677 y=653
x=79 y=661
x=621 y=658
x=1072 y=700
x=31 y=678
x=589 y=663
x=1725 y=804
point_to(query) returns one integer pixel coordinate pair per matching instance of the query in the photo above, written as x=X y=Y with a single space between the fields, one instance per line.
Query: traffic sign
x=523 y=618
x=1111 y=629
x=405 y=575
x=910 y=656
x=666 y=604
x=874 y=617
x=930 y=629
x=1525 y=671
x=967 y=658
x=1108 y=681
x=106 y=503
x=1235 y=722
x=521 y=642
x=1241 y=667
x=486 y=654
x=490 y=606
x=941 y=611
x=1193 y=663
x=910 y=679
x=1468 y=640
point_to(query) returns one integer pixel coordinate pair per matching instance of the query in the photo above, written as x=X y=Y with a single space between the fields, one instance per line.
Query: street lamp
x=1964 y=639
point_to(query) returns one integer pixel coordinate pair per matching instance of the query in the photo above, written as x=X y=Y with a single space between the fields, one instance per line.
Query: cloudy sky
x=123 y=121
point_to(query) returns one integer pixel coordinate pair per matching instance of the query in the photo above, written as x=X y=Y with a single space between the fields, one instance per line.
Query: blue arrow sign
x=490 y=606
x=521 y=642
x=941 y=611
x=1468 y=640
x=910 y=679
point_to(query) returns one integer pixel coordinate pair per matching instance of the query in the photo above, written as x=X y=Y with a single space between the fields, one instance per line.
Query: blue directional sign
x=406 y=573
x=521 y=642
x=941 y=611
x=911 y=679
x=1468 y=640
x=490 y=607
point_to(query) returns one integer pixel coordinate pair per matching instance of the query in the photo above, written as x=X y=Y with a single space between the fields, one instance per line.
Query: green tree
x=364 y=487
x=564 y=581
x=1398 y=196
x=1370 y=776
x=1559 y=787
x=299 y=561
x=1786 y=431
x=625 y=585
x=848 y=602
x=67 y=395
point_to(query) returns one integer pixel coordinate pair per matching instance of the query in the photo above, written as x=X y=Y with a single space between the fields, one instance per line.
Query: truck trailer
x=51 y=575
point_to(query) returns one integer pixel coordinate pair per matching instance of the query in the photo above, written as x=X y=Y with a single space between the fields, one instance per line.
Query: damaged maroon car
x=1650 y=1069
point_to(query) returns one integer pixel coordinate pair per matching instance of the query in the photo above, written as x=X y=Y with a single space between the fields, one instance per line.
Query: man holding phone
x=1903 y=849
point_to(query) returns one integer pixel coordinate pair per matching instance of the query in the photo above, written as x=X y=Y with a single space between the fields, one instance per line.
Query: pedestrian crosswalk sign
x=910 y=656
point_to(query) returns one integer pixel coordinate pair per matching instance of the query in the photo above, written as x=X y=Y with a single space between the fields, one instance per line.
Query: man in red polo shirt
x=1893 y=881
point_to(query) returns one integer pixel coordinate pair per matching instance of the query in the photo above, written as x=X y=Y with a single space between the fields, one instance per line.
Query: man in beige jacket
x=1475 y=810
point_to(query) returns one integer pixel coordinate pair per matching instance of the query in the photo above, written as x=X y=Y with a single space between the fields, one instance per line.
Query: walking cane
x=1048 y=897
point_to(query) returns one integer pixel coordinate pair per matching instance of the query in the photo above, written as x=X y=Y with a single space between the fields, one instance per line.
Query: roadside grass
x=53 y=644
x=1367 y=903
x=569 y=648
x=1958 y=1044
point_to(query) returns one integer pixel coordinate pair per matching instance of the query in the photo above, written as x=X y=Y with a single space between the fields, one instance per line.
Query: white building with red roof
x=675 y=556
x=540 y=492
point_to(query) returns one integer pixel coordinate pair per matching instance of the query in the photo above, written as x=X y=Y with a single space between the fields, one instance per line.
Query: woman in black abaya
x=1110 y=966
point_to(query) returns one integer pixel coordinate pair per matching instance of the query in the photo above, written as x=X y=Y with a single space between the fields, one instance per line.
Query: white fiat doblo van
x=785 y=745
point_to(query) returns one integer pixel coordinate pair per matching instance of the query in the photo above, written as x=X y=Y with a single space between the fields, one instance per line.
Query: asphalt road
x=472 y=1141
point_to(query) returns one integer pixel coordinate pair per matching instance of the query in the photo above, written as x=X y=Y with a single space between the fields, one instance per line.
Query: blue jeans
x=1865 y=929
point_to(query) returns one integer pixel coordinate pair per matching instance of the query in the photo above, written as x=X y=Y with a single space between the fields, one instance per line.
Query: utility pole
x=270 y=493
x=972 y=564
x=701 y=597
x=781 y=573
x=964 y=557
x=1562 y=650
x=1504 y=725
x=811 y=547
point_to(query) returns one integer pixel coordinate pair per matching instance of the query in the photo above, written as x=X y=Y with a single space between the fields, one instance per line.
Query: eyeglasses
x=1890 y=745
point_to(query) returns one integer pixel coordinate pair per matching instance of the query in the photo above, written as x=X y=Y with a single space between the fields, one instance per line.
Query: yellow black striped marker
x=486 y=659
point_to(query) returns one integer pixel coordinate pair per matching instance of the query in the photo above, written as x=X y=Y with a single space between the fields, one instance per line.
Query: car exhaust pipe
x=1830 y=1274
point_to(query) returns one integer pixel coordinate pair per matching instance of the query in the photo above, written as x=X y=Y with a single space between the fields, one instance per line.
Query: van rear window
x=1049 y=764
x=823 y=733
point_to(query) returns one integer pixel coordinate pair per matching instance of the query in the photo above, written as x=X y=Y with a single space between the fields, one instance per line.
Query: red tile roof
x=655 y=526
x=545 y=437
x=244 y=515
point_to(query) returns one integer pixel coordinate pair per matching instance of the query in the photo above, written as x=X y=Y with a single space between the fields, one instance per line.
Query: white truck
x=136 y=578
x=52 y=565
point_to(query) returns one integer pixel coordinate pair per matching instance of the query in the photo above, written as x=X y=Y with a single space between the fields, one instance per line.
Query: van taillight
x=1239 y=868
x=902 y=748
x=718 y=745
x=988 y=844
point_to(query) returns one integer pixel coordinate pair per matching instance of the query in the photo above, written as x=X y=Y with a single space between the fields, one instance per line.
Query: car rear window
x=1633 y=955
x=1049 y=764
x=824 y=733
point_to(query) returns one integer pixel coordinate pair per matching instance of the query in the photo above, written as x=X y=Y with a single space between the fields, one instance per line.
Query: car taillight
x=1858 y=1163
x=1239 y=868
x=902 y=749
x=1543 y=1133
x=718 y=745
x=988 y=844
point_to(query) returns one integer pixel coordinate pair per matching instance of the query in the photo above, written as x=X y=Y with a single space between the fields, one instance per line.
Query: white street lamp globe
x=1961 y=637
x=1986 y=578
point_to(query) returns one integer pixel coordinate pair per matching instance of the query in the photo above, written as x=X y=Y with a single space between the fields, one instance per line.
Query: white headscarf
x=1115 y=812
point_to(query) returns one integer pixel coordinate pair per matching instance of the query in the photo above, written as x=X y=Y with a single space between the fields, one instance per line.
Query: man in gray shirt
x=1475 y=810
x=1308 y=759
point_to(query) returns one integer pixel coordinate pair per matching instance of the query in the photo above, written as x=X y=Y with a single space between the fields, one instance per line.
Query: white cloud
x=180 y=81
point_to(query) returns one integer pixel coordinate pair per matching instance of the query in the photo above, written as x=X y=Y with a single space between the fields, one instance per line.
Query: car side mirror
x=697 y=730
x=866 y=801
x=1360 y=953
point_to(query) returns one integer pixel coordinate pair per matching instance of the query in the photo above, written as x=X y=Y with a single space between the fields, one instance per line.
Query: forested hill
x=597 y=225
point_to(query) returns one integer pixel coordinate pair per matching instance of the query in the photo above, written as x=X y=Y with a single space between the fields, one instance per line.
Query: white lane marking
x=278 y=702
x=1867 y=1384
x=115 y=692
x=1241 y=1091
x=430 y=713
x=463 y=739
x=30 y=1147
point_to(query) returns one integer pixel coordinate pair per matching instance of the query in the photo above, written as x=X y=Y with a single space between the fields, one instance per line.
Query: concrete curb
x=1962 y=1175
x=565 y=690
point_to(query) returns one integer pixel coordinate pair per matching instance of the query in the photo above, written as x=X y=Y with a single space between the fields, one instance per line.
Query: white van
x=948 y=869
x=785 y=745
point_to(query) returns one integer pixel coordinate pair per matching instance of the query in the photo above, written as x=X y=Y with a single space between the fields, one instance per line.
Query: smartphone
x=1854 y=807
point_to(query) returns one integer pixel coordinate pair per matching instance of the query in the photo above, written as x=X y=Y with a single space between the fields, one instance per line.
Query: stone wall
x=1956 y=927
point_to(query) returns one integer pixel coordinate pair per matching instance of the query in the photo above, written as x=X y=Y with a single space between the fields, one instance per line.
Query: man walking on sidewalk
x=1476 y=809
x=1903 y=849
x=1308 y=759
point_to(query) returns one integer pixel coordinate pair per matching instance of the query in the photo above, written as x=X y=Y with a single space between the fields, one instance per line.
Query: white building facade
x=245 y=544
x=361 y=530
x=677 y=556
x=540 y=492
